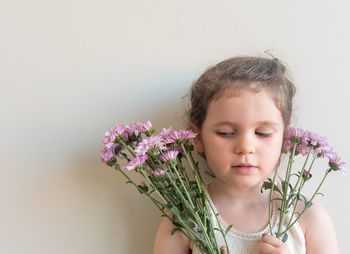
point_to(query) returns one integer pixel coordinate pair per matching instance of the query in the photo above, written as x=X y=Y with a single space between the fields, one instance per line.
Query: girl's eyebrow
x=264 y=123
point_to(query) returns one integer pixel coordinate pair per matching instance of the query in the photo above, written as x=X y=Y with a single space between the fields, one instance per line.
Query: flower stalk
x=160 y=159
x=305 y=143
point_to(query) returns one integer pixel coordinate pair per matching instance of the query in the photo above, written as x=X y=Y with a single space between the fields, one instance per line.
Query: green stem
x=285 y=190
x=312 y=163
x=183 y=185
x=127 y=148
x=195 y=172
x=307 y=205
x=220 y=227
x=155 y=201
x=271 y=193
x=300 y=187
x=302 y=171
x=194 y=214
x=183 y=172
x=152 y=185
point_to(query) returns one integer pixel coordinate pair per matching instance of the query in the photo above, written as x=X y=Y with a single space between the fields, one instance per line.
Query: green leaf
x=228 y=229
x=208 y=227
x=190 y=224
x=174 y=230
x=267 y=185
x=285 y=238
x=284 y=185
x=290 y=186
x=276 y=199
x=306 y=202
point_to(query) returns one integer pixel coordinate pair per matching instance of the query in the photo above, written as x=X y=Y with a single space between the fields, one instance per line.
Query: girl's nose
x=244 y=145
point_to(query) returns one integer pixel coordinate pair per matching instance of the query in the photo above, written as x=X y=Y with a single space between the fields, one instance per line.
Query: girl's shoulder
x=318 y=229
x=166 y=242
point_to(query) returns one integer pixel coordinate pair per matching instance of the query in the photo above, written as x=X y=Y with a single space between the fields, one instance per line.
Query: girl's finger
x=266 y=248
x=269 y=239
x=270 y=244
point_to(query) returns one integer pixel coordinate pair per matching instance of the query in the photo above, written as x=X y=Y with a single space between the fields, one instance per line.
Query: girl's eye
x=225 y=134
x=263 y=134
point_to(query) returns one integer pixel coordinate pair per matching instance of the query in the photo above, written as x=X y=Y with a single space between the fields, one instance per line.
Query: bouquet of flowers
x=161 y=160
x=305 y=143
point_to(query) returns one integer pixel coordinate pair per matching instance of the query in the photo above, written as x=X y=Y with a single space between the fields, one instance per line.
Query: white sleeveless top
x=246 y=243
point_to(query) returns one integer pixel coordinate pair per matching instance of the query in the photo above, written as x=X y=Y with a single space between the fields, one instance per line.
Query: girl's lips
x=244 y=169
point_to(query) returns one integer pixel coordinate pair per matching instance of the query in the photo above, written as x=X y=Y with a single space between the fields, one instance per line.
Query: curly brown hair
x=238 y=74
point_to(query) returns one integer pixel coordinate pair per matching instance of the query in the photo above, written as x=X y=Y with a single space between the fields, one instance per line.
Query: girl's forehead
x=246 y=107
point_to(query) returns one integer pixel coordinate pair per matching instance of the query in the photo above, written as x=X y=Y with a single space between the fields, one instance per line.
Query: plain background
x=72 y=69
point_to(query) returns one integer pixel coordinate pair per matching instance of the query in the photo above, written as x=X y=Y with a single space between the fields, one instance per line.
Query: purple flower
x=108 y=152
x=171 y=136
x=146 y=126
x=305 y=140
x=137 y=161
x=138 y=127
x=292 y=132
x=166 y=135
x=335 y=162
x=168 y=155
x=149 y=143
x=112 y=134
x=185 y=134
x=303 y=149
x=158 y=172
x=306 y=172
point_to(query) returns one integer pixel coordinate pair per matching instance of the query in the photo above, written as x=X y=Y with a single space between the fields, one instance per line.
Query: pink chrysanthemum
x=111 y=135
x=168 y=155
x=108 y=152
x=166 y=134
x=172 y=136
x=158 y=172
x=149 y=143
x=137 y=161
x=305 y=140
x=336 y=163
x=138 y=127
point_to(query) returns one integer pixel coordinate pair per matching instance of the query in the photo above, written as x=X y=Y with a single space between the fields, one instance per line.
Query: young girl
x=240 y=109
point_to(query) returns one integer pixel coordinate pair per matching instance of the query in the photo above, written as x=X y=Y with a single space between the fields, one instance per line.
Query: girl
x=240 y=109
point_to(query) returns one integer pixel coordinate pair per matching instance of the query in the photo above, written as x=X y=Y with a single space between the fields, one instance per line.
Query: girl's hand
x=268 y=245
x=271 y=245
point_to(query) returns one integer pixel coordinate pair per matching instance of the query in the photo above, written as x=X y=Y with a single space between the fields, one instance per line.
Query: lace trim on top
x=244 y=235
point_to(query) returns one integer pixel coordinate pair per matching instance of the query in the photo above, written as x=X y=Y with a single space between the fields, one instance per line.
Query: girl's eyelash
x=263 y=134
x=225 y=134
x=230 y=134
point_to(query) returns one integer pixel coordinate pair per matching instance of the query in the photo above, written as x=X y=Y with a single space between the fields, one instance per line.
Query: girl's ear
x=197 y=140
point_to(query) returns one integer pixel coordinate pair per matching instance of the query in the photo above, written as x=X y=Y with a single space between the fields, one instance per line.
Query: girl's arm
x=319 y=231
x=165 y=243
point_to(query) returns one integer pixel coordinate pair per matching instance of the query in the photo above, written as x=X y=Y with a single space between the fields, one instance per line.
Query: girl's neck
x=249 y=196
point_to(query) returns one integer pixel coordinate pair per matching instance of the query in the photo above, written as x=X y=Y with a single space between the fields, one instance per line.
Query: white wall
x=71 y=69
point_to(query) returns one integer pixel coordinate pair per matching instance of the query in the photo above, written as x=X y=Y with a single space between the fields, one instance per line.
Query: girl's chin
x=245 y=182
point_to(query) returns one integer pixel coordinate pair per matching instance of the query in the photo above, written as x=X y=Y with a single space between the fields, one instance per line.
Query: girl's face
x=242 y=137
